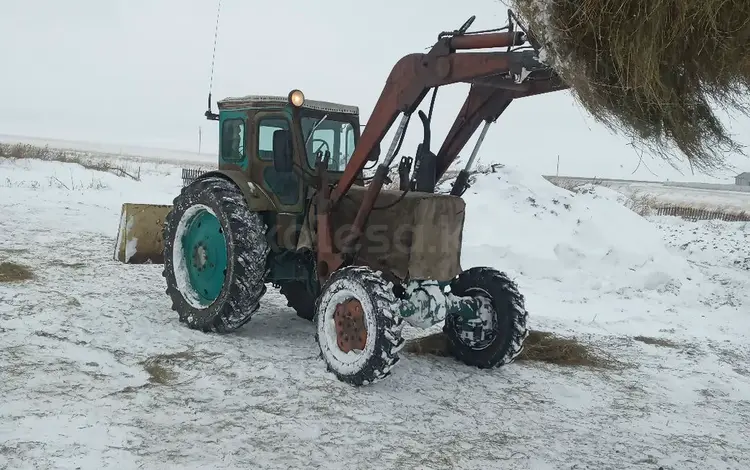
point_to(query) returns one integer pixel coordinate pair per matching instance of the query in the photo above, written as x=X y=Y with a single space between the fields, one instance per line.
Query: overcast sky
x=136 y=72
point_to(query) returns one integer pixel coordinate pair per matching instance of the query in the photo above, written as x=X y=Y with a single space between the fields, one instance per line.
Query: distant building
x=743 y=179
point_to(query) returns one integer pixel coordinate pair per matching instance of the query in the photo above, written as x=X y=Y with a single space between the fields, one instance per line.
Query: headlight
x=297 y=98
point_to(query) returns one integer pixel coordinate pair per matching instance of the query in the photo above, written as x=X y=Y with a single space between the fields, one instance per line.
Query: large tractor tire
x=299 y=297
x=358 y=325
x=504 y=328
x=215 y=254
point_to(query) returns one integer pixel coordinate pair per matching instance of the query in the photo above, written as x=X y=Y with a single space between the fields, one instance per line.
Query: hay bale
x=652 y=69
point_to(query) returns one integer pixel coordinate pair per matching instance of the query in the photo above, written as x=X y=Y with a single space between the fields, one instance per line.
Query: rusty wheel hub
x=351 y=332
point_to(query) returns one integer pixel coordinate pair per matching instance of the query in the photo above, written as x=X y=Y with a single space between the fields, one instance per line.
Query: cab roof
x=243 y=102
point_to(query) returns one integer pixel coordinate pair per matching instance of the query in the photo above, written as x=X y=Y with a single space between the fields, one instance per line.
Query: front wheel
x=215 y=254
x=358 y=325
x=497 y=337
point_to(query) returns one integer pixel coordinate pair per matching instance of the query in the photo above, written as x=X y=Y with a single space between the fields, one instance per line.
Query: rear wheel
x=498 y=338
x=300 y=298
x=358 y=325
x=215 y=255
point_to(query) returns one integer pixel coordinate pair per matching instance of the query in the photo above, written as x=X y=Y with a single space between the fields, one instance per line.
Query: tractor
x=291 y=205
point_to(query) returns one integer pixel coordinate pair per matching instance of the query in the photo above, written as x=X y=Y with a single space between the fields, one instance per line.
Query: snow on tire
x=239 y=250
x=378 y=305
x=508 y=325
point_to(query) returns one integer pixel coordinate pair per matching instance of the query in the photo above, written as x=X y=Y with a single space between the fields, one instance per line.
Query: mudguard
x=256 y=197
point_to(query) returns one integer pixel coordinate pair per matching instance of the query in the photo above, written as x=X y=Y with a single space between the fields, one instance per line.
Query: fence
x=190 y=174
x=694 y=213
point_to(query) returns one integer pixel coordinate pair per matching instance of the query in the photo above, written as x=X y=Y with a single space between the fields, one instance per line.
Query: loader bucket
x=139 y=237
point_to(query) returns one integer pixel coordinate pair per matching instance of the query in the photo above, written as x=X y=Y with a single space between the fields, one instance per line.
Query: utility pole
x=200 y=138
x=557 y=172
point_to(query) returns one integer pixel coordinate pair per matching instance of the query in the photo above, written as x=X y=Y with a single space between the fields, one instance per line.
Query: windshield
x=335 y=136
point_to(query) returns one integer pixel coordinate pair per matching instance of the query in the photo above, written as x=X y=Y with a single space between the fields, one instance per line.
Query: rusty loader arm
x=485 y=103
x=497 y=78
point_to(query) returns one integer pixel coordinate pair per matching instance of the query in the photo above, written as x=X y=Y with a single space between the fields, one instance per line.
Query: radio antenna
x=209 y=115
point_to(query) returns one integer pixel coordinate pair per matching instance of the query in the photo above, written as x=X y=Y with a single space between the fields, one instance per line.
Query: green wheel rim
x=204 y=250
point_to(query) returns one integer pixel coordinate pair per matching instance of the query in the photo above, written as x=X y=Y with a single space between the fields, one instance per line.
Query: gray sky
x=136 y=72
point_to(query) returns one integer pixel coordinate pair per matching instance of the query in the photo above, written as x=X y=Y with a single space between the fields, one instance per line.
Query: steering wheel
x=321 y=146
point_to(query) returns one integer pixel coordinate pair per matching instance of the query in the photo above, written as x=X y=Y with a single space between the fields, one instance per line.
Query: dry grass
x=159 y=374
x=665 y=343
x=539 y=347
x=654 y=70
x=431 y=345
x=33 y=152
x=160 y=367
x=13 y=272
x=641 y=204
x=546 y=347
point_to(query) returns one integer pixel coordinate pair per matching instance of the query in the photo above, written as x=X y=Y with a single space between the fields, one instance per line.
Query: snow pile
x=584 y=258
x=531 y=228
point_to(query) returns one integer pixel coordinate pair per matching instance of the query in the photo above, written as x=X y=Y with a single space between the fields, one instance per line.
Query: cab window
x=332 y=135
x=233 y=145
x=265 y=136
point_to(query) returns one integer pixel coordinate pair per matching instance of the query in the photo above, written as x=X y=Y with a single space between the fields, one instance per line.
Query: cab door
x=285 y=188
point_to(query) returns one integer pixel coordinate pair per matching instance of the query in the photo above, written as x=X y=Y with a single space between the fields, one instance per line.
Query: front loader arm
x=486 y=102
x=412 y=77
x=408 y=83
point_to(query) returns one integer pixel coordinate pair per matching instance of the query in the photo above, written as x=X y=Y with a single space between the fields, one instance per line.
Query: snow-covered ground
x=668 y=299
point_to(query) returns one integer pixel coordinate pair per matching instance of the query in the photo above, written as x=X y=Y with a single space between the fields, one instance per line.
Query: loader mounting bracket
x=460 y=31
